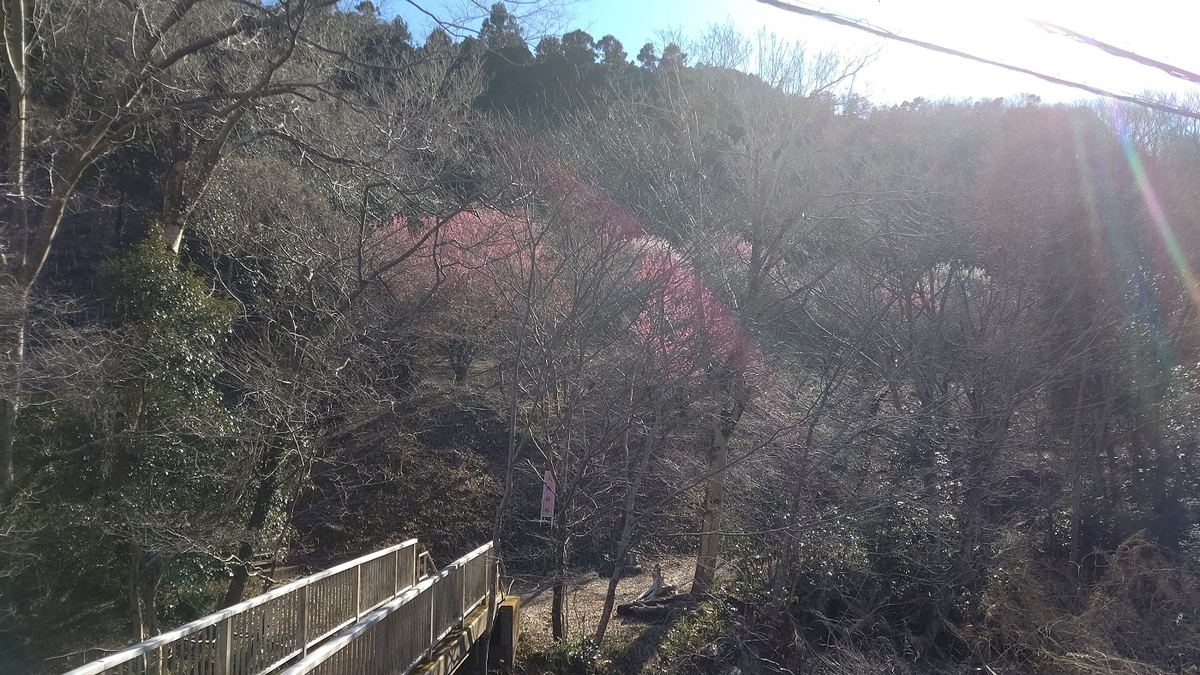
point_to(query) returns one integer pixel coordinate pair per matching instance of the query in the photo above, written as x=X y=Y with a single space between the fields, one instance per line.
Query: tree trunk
x=990 y=415
x=135 y=585
x=14 y=15
x=976 y=469
x=610 y=594
x=258 y=516
x=150 y=574
x=779 y=581
x=714 y=498
x=558 y=615
x=1076 y=517
x=174 y=209
x=1077 y=468
x=8 y=421
x=188 y=177
x=12 y=346
x=623 y=544
x=782 y=576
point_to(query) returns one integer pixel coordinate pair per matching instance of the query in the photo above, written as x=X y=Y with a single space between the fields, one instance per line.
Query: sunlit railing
x=397 y=636
x=265 y=633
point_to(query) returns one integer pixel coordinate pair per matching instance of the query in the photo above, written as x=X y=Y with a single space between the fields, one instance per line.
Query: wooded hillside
x=280 y=284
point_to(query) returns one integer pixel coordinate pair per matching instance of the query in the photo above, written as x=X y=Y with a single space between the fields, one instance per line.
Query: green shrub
x=573 y=656
x=703 y=640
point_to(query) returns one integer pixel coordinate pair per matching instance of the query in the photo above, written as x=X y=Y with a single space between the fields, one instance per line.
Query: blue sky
x=1162 y=29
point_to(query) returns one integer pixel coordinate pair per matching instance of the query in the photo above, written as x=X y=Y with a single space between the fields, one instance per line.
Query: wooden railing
x=397 y=636
x=265 y=633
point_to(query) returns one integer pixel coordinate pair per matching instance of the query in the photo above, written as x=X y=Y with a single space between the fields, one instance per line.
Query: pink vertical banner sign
x=548 y=487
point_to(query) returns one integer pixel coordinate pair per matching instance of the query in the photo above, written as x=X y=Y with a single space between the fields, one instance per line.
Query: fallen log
x=655 y=610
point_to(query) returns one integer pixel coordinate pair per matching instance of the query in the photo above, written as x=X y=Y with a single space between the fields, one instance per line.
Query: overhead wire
x=889 y=35
x=1173 y=71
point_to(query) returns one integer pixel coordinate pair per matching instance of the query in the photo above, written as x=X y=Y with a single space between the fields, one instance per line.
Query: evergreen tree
x=613 y=51
x=548 y=48
x=579 y=48
x=500 y=30
x=647 y=56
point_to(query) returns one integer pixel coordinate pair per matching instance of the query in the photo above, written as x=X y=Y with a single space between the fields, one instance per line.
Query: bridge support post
x=505 y=632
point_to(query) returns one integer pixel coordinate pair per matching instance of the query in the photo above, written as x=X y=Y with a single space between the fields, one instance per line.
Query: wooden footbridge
x=376 y=615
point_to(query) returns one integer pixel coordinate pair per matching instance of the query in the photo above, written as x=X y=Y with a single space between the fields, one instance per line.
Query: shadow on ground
x=644 y=648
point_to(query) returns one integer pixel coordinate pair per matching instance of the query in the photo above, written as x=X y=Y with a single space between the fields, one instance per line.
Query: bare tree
x=149 y=78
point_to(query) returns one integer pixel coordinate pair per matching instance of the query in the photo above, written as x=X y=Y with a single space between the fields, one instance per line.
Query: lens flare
x=1157 y=214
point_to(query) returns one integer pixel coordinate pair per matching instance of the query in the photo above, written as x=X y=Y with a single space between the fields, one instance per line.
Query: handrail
x=323 y=653
x=240 y=641
x=400 y=634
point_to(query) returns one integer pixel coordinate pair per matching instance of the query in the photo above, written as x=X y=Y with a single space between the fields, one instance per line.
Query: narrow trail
x=585 y=601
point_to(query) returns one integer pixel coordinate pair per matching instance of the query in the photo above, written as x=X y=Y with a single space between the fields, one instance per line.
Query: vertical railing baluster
x=433 y=588
x=303 y=628
x=224 y=647
x=357 y=592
